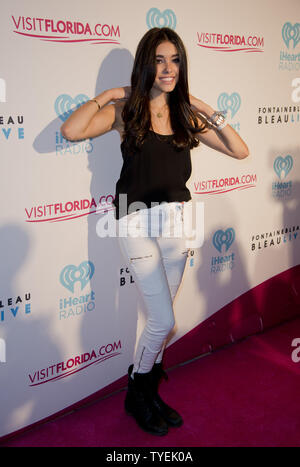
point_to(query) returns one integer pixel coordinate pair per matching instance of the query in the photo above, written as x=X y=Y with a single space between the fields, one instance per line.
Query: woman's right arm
x=88 y=121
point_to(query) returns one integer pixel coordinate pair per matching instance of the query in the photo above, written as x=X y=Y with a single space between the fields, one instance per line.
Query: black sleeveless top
x=158 y=172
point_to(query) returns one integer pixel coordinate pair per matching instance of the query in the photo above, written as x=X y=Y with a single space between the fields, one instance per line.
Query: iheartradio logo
x=282 y=166
x=223 y=238
x=225 y=261
x=82 y=274
x=160 y=19
x=230 y=102
x=66 y=104
x=291 y=34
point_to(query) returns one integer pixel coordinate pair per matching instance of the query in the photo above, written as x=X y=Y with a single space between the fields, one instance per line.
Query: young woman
x=159 y=122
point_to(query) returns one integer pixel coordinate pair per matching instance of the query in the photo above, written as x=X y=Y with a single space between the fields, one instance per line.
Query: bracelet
x=217 y=120
x=95 y=100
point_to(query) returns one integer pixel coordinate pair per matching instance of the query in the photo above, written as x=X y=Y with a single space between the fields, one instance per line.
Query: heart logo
x=157 y=19
x=283 y=166
x=72 y=274
x=290 y=32
x=65 y=104
x=223 y=238
x=232 y=102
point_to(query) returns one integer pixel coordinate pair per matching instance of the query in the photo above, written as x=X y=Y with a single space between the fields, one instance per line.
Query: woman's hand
x=226 y=141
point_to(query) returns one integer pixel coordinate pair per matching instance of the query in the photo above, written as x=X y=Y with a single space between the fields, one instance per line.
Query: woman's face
x=167 y=67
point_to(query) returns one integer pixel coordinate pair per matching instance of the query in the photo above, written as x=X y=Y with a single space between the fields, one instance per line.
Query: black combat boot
x=166 y=412
x=139 y=403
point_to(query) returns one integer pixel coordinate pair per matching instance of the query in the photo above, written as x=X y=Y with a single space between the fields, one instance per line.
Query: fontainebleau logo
x=222 y=241
x=278 y=114
x=15 y=307
x=125 y=276
x=282 y=166
x=290 y=33
x=291 y=37
x=278 y=236
x=71 y=274
x=8 y=123
x=65 y=105
x=161 y=19
x=66 y=31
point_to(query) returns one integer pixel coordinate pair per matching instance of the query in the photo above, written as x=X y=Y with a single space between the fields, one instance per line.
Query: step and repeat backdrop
x=70 y=312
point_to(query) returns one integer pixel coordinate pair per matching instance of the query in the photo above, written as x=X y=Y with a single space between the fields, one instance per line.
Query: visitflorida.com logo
x=66 y=30
x=215 y=186
x=74 y=364
x=69 y=210
x=230 y=42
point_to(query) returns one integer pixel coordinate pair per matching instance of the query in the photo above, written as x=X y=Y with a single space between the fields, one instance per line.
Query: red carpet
x=246 y=394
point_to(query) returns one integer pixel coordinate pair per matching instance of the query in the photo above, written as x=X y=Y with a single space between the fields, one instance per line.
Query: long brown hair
x=136 y=111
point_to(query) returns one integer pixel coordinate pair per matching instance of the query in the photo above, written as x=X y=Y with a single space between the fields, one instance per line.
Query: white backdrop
x=68 y=306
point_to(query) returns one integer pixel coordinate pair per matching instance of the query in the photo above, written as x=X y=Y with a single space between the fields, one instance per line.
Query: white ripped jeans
x=157 y=259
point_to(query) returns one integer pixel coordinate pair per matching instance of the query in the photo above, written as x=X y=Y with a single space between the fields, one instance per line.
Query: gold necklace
x=159 y=114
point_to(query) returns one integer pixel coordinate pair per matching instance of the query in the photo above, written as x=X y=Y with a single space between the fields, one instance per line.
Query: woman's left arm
x=226 y=140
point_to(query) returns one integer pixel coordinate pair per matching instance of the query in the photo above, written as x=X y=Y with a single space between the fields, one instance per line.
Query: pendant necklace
x=160 y=114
